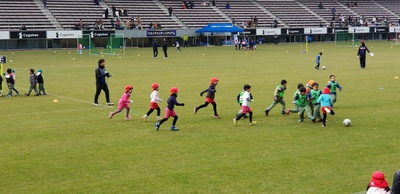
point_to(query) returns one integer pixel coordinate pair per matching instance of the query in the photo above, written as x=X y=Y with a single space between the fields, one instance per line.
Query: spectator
x=23 y=27
x=333 y=11
x=124 y=12
x=213 y=2
x=227 y=6
x=45 y=4
x=170 y=10
x=191 y=4
x=275 y=23
x=99 y=25
x=320 y=6
x=255 y=20
x=106 y=13
x=96 y=2
x=184 y=5
x=118 y=24
x=80 y=24
x=114 y=10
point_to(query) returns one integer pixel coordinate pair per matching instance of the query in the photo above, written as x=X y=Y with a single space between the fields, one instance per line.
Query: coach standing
x=155 y=48
x=101 y=83
x=165 y=48
x=362 y=51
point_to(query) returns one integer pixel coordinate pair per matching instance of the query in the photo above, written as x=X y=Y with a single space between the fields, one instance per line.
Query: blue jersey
x=318 y=58
x=325 y=100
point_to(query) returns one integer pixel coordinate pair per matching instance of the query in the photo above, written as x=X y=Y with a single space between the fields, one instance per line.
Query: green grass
x=70 y=146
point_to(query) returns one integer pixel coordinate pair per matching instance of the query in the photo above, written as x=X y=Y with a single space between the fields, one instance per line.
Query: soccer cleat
x=234 y=121
x=195 y=110
x=96 y=104
x=111 y=115
x=252 y=122
x=173 y=128
x=266 y=112
x=145 y=117
x=216 y=116
x=301 y=120
x=157 y=126
x=110 y=103
x=323 y=126
x=8 y=96
x=128 y=118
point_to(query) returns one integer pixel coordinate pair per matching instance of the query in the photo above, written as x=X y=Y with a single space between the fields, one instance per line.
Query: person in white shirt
x=154 y=99
x=246 y=106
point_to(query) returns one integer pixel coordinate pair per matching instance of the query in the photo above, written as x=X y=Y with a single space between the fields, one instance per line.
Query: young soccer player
x=40 y=82
x=317 y=60
x=332 y=85
x=13 y=75
x=278 y=98
x=246 y=106
x=326 y=105
x=314 y=95
x=209 y=98
x=310 y=105
x=239 y=98
x=169 y=111
x=301 y=101
x=154 y=99
x=178 y=46
x=33 y=81
x=296 y=109
x=124 y=103
x=10 y=82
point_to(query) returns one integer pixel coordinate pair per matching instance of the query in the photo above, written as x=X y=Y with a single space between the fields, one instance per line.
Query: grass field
x=71 y=146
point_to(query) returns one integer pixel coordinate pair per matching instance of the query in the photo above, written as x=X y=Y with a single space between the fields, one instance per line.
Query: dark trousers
x=99 y=87
x=155 y=53
x=362 y=61
x=165 y=54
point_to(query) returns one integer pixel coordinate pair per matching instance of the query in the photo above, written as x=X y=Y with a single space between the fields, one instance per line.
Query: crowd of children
x=307 y=99
x=34 y=80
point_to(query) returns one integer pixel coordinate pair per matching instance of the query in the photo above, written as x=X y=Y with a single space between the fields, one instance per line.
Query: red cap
x=378 y=180
x=326 y=91
x=127 y=88
x=174 y=90
x=155 y=85
x=213 y=80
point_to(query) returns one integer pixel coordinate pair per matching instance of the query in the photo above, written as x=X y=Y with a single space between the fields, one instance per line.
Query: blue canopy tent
x=221 y=28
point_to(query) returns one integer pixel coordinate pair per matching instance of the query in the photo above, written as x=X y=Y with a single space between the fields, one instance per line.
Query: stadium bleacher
x=290 y=13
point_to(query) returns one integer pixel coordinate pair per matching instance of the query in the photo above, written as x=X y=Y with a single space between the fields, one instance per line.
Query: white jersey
x=246 y=98
x=154 y=97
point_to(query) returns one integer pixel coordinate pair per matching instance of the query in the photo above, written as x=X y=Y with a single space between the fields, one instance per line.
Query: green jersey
x=314 y=95
x=280 y=91
x=240 y=97
x=301 y=100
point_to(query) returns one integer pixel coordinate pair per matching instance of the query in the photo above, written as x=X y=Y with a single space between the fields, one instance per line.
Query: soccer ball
x=323 y=67
x=347 y=122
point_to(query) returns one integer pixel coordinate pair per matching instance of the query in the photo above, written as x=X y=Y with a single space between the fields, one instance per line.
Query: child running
x=332 y=85
x=246 y=106
x=124 y=103
x=239 y=98
x=301 y=103
x=326 y=103
x=313 y=96
x=169 y=111
x=209 y=98
x=154 y=99
x=278 y=98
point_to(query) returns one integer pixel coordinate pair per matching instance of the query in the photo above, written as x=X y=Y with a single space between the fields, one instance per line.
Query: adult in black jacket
x=396 y=183
x=165 y=48
x=101 y=83
x=155 y=48
x=362 y=51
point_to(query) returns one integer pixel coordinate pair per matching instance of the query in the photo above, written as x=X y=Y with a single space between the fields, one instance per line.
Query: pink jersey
x=124 y=101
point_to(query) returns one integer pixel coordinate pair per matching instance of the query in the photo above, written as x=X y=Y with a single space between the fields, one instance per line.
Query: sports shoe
x=17 y=94
x=173 y=128
x=110 y=103
x=253 y=122
x=96 y=104
x=111 y=115
x=195 y=110
x=216 y=116
x=266 y=112
x=145 y=117
x=128 y=118
x=157 y=126
x=301 y=120
x=26 y=94
x=234 y=121
x=323 y=126
x=8 y=96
